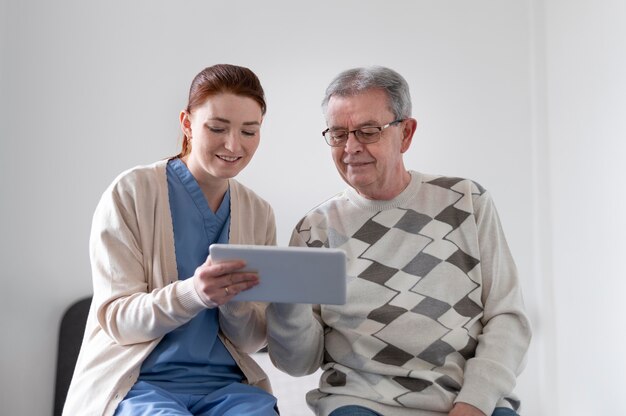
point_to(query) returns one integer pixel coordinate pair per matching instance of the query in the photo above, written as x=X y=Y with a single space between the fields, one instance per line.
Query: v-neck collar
x=193 y=188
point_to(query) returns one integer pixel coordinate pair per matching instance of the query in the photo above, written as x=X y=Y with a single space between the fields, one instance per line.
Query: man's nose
x=352 y=145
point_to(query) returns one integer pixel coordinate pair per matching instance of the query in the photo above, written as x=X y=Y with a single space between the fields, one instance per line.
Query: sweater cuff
x=189 y=297
x=295 y=338
x=485 y=382
x=235 y=309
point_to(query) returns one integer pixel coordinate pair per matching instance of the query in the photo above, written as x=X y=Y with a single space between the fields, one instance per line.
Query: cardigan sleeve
x=131 y=308
x=491 y=374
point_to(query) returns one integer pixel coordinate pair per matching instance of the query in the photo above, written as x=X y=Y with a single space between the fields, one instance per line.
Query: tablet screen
x=290 y=274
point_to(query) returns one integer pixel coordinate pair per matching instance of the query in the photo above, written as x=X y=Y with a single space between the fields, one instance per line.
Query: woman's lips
x=229 y=159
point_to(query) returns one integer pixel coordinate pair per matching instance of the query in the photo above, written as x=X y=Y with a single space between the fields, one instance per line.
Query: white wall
x=586 y=78
x=89 y=89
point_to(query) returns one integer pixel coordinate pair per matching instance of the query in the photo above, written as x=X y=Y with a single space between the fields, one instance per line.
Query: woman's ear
x=185 y=123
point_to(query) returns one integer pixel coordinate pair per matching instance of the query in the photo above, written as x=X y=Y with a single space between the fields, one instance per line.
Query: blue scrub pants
x=362 y=411
x=236 y=399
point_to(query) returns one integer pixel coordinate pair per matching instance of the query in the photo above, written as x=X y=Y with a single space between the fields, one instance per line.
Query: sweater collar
x=380 y=205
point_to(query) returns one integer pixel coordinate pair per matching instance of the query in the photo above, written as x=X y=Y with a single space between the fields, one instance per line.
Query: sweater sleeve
x=491 y=374
x=295 y=337
x=243 y=323
x=127 y=310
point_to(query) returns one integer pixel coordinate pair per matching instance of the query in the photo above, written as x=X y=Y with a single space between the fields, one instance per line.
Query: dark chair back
x=70 y=338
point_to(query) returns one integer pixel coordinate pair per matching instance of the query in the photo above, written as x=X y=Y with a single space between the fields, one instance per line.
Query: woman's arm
x=134 y=301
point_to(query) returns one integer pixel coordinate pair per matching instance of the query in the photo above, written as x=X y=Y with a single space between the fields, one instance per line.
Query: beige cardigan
x=138 y=297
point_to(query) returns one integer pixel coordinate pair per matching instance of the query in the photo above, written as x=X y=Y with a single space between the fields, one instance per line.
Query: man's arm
x=244 y=323
x=499 y=358
x=295 y=336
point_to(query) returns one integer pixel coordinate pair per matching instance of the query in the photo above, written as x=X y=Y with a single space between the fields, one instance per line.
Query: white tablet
x=289 y=274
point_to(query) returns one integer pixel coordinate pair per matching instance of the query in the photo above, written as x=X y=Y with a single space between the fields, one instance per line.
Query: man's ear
x=408 y=130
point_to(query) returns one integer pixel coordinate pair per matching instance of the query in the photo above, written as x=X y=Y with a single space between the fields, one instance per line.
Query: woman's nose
x=232 y=142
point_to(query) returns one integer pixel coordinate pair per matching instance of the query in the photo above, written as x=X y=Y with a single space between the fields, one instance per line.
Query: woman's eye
x=216 y=129
x=248 y=133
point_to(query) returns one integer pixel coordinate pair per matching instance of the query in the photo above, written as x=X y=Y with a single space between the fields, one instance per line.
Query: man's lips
x=357 y=163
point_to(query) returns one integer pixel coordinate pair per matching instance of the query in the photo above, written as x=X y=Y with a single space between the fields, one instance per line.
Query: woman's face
x=224 y=133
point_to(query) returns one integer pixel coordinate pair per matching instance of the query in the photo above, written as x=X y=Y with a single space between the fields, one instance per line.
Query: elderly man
x=434 y=322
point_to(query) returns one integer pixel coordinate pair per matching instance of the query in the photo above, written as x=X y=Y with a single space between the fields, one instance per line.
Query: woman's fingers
x=235 y=283
x=217 y=283
x=223 y=267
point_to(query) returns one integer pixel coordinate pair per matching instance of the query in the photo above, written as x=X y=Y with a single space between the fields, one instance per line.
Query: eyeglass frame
x=356 y=136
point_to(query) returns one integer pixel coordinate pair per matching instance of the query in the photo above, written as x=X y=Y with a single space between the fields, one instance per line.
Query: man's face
x=375 y=170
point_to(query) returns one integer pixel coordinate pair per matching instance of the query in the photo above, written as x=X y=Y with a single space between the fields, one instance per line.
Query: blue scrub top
x=192 y=359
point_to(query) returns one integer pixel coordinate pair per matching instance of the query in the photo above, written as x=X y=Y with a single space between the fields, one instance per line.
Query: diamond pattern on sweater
x=452 y=216
x=445 y=181
x=413 y=222
x=449 y=384
x=463 y=261
x=370 y=232
x=460 y=285
x=378 y=273
x=432 y=308
x=392 y=355
x=451 y=182
x=396 y=237
x=436 y=257
x=437 y=352
x=422 y=264
x=411 y=323
x=386 y=313
x=468 y=351
x=413 y=384
x=467 y=307
x=410 y=297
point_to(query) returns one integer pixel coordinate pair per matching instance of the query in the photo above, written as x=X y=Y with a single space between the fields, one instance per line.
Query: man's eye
x=368 y=133
x=338 y=135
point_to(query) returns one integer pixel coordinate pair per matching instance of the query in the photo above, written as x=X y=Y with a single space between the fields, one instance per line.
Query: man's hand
x=464 y=409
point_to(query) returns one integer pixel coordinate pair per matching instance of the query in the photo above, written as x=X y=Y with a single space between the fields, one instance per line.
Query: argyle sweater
x=434 y=312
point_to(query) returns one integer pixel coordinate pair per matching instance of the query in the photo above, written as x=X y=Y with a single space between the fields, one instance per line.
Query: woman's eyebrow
x=223 y=120
x=245 y=123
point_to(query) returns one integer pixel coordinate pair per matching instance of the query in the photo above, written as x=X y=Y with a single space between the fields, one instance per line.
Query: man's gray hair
x=357 y=80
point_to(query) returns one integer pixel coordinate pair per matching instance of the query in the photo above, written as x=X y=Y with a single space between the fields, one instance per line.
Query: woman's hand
x=217 y=283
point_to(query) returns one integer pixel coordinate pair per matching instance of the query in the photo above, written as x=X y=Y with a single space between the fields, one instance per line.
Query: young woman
x=154 y=341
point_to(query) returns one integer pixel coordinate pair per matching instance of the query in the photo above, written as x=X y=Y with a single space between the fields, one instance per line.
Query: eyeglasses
x=364 y=135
